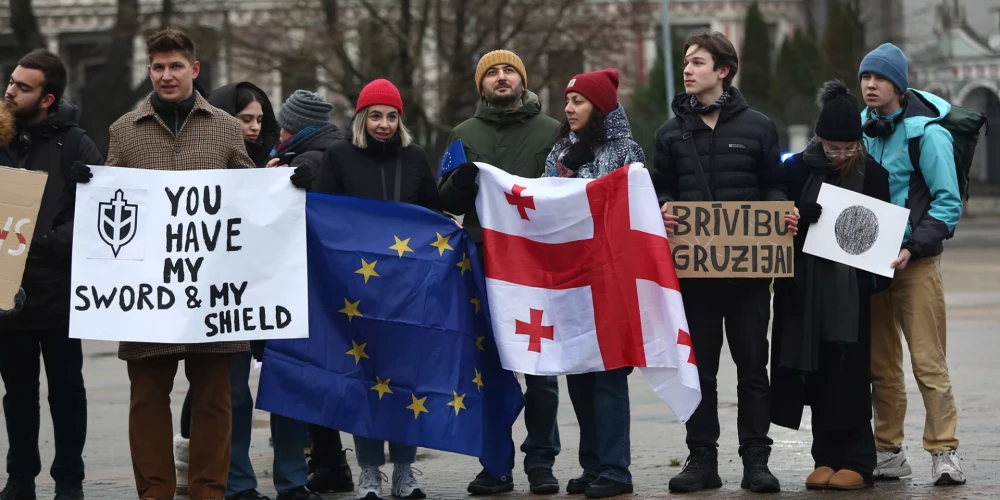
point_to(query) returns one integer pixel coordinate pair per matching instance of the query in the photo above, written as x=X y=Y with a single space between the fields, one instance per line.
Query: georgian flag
x=580 y=278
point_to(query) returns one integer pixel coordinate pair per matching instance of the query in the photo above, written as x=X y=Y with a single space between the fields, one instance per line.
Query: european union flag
x=400 y=346
x=452 y=158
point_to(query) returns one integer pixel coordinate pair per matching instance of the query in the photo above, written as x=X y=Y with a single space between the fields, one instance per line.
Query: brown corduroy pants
x=151 y=425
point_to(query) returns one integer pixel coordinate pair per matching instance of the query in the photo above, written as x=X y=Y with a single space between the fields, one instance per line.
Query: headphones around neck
x=881 y=127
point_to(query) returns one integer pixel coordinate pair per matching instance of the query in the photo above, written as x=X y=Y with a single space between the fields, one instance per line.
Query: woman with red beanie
x=595 y=137
x=595 y=140
x=378 y=159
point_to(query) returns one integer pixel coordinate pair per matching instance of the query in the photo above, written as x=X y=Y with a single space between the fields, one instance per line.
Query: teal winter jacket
x=932 y=195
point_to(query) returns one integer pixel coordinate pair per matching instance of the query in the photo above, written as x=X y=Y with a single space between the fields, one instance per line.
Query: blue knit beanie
x=889 y=62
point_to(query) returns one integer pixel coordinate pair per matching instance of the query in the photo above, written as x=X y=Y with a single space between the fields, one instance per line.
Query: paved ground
x=972 y=270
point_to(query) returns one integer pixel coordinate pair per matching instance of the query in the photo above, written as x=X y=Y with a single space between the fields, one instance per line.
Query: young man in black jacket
x=45 y=126
x=737 y=148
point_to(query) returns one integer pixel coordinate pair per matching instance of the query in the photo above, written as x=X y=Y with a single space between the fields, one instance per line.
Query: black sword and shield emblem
x=117 y=222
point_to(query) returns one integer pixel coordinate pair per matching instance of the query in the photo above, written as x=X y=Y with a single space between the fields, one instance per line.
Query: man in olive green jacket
x=510 y=132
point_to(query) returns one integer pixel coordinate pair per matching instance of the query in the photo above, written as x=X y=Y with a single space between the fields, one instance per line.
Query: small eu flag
x=452 y=158
x=400 y=346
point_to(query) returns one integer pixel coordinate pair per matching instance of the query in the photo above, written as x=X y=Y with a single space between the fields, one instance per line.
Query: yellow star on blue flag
x=423 y=313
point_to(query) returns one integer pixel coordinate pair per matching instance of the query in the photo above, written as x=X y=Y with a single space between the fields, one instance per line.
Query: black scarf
x=829 y=289
x=173 y=114
x=702 y=109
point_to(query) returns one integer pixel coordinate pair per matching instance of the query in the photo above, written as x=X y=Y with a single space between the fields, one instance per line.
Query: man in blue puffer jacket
x=914 y=304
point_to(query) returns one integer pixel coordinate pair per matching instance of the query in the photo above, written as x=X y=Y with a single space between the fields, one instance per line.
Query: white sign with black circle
x=189 y=257
x=857 y=230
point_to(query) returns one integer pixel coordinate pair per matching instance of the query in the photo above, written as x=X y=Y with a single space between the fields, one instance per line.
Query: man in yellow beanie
x=510 y=132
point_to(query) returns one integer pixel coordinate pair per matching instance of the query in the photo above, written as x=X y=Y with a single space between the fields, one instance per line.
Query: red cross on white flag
x=586 y=281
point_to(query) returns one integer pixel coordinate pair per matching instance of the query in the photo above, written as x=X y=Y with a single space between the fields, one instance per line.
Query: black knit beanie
x=839 y=116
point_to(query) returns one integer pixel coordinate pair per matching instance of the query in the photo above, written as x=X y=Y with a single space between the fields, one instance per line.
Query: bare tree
x=25 y=26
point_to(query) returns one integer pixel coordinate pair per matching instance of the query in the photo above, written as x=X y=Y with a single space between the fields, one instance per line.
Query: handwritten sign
x=20 y=198
x=189 y=257
x=732 y=240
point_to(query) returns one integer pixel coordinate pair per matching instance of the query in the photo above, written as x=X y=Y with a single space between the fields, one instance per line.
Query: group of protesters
x=836 y=342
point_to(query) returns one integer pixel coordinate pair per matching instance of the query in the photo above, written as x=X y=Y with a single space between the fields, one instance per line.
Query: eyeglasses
x=833 y=153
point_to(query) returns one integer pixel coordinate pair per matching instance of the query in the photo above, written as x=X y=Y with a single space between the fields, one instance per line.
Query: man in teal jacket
x=509 y=132
x=915 y=302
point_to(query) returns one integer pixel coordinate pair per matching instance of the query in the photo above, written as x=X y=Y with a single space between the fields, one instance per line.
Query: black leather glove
x=302 y=177
x=465 y=176
x=80 y=173
x=809 y=213
x=577 y=156
x=18 y=303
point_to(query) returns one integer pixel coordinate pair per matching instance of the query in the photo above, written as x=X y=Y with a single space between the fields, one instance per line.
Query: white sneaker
x=404 y=483
x=890 y=465
x=947 y=469
x=181 y=458
x=370 y=484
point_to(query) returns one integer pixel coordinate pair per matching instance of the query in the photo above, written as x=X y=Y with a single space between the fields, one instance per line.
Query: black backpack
x=964 y=125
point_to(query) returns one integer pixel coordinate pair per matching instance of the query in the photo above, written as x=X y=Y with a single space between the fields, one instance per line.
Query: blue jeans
x=371 y=452
x=290 y=470
x=541 y=405
x=602 y=408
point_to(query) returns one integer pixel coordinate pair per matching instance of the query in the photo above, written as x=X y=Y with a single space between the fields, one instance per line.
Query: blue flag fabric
x=452 y=158
x=400 y=346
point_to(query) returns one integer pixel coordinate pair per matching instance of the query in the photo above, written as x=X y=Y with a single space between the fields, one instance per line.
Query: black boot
x=485 y=484
x=605 y=488
x=542 y=482
x=15 y=491
x=756 y=476
x=701 y=472
x=578 y=485
x=332 y=479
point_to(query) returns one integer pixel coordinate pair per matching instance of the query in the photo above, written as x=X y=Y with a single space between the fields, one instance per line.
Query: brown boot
x=820 y=478
x=847 y=480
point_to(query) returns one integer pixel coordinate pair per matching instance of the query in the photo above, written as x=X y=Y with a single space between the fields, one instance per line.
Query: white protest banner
x=189 y=257
x=857 y=230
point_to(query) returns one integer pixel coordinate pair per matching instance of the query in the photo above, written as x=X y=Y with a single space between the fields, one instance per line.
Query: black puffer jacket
x=371 y=172
x=310 y=149
x=740 y=156
x=224 y=98
x=46 y=278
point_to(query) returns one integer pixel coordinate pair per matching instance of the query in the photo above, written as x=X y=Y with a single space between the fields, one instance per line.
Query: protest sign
x=20 y=198
x=189 y=257
x=733 y=239
x=857 y=230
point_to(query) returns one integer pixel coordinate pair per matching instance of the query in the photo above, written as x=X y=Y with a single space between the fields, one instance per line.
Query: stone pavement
x=971 y=270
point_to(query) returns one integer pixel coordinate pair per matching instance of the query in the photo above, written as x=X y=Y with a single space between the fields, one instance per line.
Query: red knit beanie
x=598 y=87
x=382 y=92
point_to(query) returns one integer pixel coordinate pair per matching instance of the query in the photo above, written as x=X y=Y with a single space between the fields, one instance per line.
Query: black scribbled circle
x=856 y=230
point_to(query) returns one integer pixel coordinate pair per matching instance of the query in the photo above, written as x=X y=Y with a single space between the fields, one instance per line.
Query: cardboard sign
x=20 y=198
x=189 y=257
x=732 y=239
x=857 y=230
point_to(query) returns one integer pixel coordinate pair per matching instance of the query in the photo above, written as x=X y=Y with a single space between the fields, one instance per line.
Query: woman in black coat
x=821 y=338
x=378 y=158
x=250 y=105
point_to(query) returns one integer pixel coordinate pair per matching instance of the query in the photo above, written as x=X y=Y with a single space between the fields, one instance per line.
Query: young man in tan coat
x=176 y=129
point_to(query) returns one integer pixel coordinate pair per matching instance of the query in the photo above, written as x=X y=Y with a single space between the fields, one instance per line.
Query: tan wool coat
x=210 y=138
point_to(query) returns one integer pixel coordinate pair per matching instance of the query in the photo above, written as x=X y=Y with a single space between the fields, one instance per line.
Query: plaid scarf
x=702 y=109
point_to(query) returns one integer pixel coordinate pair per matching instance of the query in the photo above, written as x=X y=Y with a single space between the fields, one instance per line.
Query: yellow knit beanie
x=499 y=57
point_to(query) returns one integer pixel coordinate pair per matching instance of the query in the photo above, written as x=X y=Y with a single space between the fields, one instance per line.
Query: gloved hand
x=809 y=213
x=577 y=156
x=302 y=177
x=18 y=303
x=80 y=173
x=465 y=176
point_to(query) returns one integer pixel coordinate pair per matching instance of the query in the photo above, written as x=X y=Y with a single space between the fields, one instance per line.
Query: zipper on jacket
x=711 y=162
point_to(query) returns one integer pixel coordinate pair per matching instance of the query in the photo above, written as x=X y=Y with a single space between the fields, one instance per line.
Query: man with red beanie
x=510 y=132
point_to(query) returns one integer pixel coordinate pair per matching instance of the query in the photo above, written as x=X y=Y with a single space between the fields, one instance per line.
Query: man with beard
x=509 y=132
x=47 y=139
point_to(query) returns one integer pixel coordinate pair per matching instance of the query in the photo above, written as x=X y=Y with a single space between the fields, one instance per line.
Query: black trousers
x=851 y=449
x=326 y=448
x=745 y=309
x=20 y=367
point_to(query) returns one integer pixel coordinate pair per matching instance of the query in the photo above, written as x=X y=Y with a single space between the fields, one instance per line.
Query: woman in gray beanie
x=306 y=131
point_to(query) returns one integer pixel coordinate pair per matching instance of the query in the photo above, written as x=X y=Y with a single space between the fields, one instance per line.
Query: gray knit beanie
x=304 y=109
